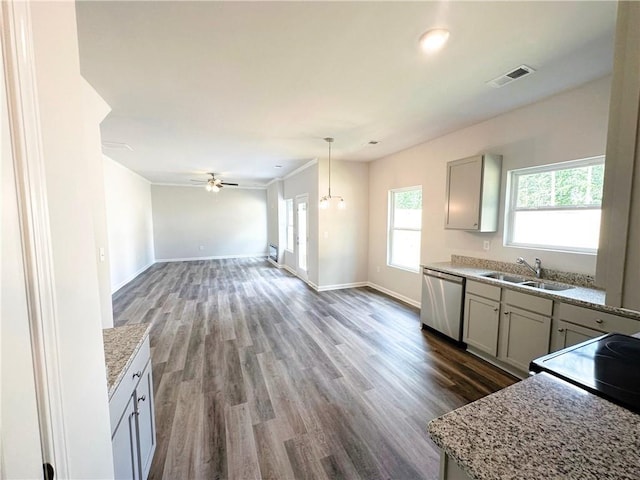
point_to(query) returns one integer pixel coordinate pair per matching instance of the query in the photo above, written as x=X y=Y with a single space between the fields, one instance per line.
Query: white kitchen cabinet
x=473 y=193
x=133 y=430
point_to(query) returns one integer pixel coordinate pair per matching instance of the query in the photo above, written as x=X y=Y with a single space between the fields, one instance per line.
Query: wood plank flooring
x=258 y=376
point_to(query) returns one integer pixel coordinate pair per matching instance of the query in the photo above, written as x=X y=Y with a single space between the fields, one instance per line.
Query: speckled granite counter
x=120 y=346
x=541 y=428
x=582 y=296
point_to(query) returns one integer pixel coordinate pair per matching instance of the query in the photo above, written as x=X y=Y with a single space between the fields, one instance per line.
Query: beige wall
x=191 y=223
x=83 y=382
x=343 y=240
x=129 y=222
x=568 y=126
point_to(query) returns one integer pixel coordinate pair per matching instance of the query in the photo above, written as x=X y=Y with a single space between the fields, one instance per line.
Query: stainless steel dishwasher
x=442 y=302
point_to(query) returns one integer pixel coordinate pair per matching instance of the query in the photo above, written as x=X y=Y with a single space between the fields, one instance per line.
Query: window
x=289 y=218
x=405 y=224
x=557 y=206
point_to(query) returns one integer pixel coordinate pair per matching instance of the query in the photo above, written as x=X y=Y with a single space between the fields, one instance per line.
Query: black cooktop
x=607 y=366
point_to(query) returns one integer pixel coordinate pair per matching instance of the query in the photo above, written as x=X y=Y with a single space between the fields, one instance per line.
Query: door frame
x=16 y=40
x=301 y=273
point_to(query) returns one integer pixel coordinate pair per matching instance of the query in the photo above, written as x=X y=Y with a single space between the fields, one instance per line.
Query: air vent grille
x=515 y=74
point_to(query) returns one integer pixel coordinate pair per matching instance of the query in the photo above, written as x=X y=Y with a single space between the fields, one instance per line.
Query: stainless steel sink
x=526 y=282
x=546 y=286
x=505 y=277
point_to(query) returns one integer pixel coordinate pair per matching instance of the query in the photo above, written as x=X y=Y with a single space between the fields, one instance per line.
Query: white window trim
x=289 y=222
x=390 y=228
x=512 y=195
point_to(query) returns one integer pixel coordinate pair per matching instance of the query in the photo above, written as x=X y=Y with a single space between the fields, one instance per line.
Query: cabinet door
x=523 y=337
x=145 y=421
x=481 y=321
x=125 y=445
x=570 y=334
x=464 y=180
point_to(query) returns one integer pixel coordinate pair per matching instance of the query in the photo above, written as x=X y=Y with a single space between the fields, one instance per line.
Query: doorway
x=302 y=235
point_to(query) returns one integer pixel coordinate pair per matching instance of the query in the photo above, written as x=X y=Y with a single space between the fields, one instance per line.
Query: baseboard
x=340 y=286
x=275 y=264
x=215 y=257
x=289 y=269
x=130 y=278
x=393 y=294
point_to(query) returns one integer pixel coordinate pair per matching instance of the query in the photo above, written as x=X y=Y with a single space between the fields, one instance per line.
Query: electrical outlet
x=102 y=254
x=486 y=245
x=201 y=247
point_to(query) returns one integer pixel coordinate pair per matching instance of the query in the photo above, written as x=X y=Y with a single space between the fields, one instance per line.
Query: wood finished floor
x=258 y=376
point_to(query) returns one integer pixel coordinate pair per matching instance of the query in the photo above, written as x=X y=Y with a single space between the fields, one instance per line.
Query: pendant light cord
x=329 y=169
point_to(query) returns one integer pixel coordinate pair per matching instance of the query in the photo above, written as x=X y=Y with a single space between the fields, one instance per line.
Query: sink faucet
x=537 y=269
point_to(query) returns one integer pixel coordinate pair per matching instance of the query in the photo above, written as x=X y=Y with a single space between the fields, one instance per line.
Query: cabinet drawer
x=533 y=303
x=127 y=385
x=594 y=319
x=483 y=290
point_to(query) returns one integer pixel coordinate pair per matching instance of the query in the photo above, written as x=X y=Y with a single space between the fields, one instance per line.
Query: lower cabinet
x=524 y=336
x=133 y=429
x=507 y=327
x=570 y=334
x=481 y=323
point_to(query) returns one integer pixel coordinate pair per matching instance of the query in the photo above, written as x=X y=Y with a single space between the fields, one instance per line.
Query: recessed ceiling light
x=433 y=40
x=373 y=142
x=117 y=146
x=278 y=166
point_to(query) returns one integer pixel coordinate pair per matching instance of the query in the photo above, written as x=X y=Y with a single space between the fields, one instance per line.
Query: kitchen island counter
x=541 y=427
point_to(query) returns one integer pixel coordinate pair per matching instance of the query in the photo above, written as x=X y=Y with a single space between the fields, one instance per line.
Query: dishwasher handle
x=443 y=276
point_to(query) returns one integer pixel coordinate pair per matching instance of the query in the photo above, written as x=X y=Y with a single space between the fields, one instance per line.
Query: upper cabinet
x=473 y=193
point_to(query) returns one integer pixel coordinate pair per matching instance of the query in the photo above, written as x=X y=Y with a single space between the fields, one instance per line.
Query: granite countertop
x=541 y=427
x=582 y=296
x=120 y=346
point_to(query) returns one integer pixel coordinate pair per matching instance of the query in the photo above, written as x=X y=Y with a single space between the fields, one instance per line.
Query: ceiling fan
x=214 y=184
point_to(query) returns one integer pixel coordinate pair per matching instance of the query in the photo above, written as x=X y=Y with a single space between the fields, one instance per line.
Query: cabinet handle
x=137 y=374
x=475 y=224
x=142 y=398
x=496 y=309
x=561 y=330
x=507 y=313
x=599 y=320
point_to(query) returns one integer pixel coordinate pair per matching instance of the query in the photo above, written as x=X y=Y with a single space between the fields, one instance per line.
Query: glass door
x=302 y=235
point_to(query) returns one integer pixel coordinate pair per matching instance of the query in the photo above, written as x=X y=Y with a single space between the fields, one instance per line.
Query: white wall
x=82 y=378
x=306 y=182
x=343 y=240
x=568 y=126
x=276 y=217
x=190 y=223
x=129 y=223
x=95 y=110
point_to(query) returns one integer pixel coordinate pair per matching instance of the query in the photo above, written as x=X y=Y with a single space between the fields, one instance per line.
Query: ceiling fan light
x=208 y=187
x=342 y=204
x=324 y=203
x=215 y=188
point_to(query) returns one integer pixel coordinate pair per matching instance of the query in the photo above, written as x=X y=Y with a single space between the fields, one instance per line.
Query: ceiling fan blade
x=197 y=181
x=230 y=184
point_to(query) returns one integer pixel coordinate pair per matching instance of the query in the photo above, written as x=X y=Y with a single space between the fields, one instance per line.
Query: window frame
x=512 y=197
x=391 y=229
x=289 y=224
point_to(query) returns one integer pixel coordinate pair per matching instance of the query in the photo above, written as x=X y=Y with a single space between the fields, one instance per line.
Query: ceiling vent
x=515 y=74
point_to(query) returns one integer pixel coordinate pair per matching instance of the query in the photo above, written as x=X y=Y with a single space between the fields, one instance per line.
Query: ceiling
x=237 y=88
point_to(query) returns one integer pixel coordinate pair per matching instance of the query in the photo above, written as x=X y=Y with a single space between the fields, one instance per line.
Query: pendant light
x=326 y=200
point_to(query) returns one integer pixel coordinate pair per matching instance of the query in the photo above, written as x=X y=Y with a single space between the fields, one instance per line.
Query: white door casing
x=302 y=235
x=34 y=257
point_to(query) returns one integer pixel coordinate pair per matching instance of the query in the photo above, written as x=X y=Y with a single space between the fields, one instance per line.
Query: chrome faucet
x=537 y=269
